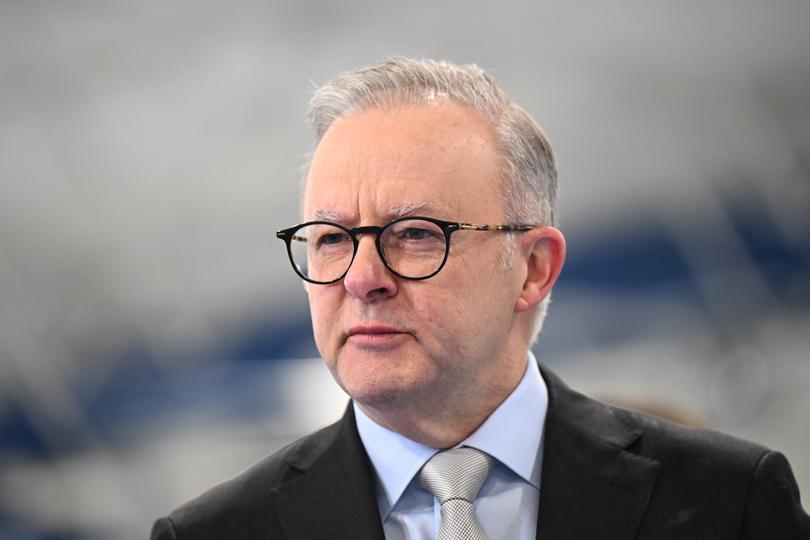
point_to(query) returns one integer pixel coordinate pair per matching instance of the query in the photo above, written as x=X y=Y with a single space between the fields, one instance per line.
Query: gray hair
x=529 y=183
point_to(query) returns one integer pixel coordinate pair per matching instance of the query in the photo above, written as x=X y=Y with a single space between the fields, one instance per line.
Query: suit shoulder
x=214 y=513
x=669 y=441
x=719 y=482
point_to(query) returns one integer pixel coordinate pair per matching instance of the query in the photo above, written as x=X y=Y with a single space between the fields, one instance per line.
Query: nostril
x=369 y=279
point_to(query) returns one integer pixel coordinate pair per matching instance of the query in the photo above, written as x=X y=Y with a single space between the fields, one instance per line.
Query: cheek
x=481 y=298
x=443 y=317
x=324 y=313
x=426 y=311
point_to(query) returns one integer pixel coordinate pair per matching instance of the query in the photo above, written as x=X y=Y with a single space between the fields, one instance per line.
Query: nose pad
x=368 y=277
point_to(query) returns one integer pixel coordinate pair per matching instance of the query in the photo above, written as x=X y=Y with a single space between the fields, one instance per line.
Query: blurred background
x=153 y=339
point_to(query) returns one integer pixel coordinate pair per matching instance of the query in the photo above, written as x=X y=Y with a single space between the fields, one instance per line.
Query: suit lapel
x=591 y=486
x=334 y=497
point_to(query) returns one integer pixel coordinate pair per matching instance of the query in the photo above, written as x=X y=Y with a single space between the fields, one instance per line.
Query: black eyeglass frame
x=448 y=228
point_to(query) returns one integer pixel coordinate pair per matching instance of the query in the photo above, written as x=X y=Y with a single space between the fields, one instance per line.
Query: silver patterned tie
x=455 y=477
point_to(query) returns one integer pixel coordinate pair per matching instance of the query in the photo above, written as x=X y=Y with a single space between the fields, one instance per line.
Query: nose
x=368 y=279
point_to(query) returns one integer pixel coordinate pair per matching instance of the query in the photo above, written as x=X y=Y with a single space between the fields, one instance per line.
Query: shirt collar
x=512 y=434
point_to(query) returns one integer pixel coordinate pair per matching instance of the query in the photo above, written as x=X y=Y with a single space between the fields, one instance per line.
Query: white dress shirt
x=507 y=503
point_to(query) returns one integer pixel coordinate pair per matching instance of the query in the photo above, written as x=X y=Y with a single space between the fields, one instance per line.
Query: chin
x=380 y=399
x=383 y=381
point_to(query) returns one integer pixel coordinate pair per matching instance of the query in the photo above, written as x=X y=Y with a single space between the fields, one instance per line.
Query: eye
x=414 y=233
x=331 y=239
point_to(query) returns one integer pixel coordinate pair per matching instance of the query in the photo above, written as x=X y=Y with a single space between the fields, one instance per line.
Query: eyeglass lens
x=413 y=248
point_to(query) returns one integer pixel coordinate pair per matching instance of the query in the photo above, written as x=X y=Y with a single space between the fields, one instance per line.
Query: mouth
x=375 y=336
x=372 y=329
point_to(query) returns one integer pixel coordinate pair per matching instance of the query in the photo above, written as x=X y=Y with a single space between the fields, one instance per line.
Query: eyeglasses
x=412 y=248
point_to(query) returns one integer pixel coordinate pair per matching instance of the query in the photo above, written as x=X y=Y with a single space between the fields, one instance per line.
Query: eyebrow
x=411 y=209
x=330 y=215
x=395 y=212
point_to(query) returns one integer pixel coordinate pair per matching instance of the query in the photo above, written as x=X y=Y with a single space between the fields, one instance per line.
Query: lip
x=375 y=336
x=372 y=329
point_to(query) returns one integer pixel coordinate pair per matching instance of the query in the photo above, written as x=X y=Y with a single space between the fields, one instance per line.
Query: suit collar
x=591 y=485
x=323 y=502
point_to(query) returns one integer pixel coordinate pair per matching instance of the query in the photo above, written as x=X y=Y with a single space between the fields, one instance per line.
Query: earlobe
x=543 y=250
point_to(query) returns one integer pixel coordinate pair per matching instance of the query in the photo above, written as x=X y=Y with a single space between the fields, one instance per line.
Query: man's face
x=386 y=340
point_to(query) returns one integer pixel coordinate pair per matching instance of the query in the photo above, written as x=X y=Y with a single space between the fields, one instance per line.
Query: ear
x=543 y=251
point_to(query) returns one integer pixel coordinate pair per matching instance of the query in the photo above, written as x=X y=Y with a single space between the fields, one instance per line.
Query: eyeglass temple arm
x=506 y=228
x=296 y=237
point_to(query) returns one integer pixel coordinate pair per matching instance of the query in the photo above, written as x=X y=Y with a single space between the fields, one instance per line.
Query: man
x=429 y=253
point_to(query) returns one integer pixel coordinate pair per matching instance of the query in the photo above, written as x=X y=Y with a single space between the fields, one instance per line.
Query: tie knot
x=456 y=474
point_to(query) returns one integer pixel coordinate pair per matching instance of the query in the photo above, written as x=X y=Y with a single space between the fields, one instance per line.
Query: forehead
x=439 y=159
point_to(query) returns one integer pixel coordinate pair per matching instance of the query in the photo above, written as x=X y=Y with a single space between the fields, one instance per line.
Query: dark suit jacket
x=607 y=474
